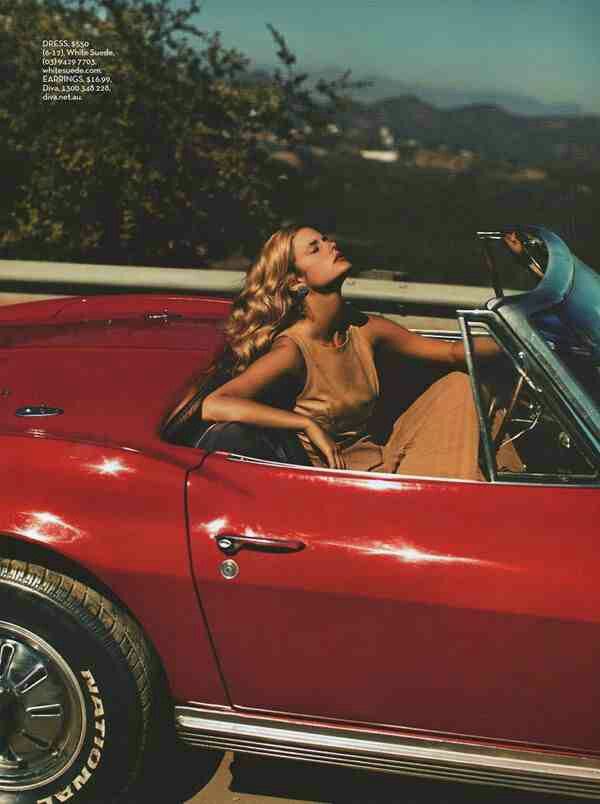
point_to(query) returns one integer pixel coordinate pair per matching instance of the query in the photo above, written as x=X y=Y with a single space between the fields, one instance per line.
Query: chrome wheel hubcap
x=42 y=711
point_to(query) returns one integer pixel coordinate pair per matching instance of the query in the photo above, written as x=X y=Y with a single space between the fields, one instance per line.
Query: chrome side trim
x=462 y=761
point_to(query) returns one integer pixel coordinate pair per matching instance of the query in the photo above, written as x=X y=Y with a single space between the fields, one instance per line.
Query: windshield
x=572 y=329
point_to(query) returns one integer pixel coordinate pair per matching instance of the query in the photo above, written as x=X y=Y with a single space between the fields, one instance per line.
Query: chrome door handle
x=230 y=545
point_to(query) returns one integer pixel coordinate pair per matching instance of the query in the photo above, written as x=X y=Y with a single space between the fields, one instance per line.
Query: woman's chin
x=338 y=275
x=343 y=267
x=342 y=274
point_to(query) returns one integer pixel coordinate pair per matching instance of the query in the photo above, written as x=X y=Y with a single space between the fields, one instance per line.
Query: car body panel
x=386 y=617
x=114 y=365
x=119 y=514
x=97 y=484
x=111 y=307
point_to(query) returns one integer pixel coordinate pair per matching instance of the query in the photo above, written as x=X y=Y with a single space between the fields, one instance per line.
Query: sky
x=546 y=49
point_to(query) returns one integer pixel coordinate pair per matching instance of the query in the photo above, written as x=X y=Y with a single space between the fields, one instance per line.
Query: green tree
x=172 y=167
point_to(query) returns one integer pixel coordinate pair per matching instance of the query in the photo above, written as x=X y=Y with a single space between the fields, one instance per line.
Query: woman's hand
x=514 y=244
x=518 y=249
x=326 y=445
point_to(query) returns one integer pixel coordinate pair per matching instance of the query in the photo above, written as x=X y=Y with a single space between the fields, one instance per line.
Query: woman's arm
x=395 y=337
x=236 y=399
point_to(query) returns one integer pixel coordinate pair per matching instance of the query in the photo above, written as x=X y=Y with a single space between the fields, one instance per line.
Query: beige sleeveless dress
x=340 y=392
x=437 y=436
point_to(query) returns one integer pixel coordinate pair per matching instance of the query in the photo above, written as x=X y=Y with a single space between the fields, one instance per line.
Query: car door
x=439 y=605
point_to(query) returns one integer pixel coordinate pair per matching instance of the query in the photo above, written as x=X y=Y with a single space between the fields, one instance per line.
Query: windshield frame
x=559 y=282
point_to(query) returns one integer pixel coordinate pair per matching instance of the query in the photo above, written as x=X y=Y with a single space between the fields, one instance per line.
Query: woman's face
x=318 y=259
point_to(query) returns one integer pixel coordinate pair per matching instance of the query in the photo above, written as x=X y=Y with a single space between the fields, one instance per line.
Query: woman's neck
x=326 y=317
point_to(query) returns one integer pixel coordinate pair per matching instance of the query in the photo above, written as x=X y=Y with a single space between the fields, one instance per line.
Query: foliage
x=173 y=166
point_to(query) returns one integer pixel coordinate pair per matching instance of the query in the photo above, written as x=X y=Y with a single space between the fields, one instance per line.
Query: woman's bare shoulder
x=370 y=327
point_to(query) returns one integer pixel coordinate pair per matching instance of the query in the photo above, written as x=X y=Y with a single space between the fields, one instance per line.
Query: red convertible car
x=154 y=568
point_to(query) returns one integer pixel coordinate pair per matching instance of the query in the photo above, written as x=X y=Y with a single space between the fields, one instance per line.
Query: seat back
x=185 y=426
x=254 y=442
x=187 y=429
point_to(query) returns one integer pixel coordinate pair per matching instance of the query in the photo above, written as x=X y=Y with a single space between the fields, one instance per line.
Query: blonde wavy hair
x=268 y=303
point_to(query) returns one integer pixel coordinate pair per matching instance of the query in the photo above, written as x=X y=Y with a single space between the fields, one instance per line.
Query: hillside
x=490 y=131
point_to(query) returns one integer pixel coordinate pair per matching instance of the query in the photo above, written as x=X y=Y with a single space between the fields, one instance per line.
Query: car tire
x=78 y=686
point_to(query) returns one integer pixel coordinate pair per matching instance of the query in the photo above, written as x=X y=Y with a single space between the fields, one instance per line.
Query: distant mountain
x=495 y=125
x=447 y=98
x=487 y=129
x=381 y=88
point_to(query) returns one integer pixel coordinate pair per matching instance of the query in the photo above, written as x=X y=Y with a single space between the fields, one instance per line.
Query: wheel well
x=10 y=547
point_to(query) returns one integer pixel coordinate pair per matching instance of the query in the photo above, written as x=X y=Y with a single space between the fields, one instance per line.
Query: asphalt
x=198 y=777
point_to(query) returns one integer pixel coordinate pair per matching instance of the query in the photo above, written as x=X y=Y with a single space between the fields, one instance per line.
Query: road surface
x=244 y=779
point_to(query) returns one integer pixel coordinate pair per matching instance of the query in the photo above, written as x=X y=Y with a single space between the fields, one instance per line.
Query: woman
x=290 y=329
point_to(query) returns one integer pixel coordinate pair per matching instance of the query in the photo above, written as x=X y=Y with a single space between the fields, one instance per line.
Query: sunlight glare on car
x=214 y=527
x=110 y=466
x=413 y=555
x=409 y=554
x=45 y=526
x=45 y=518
